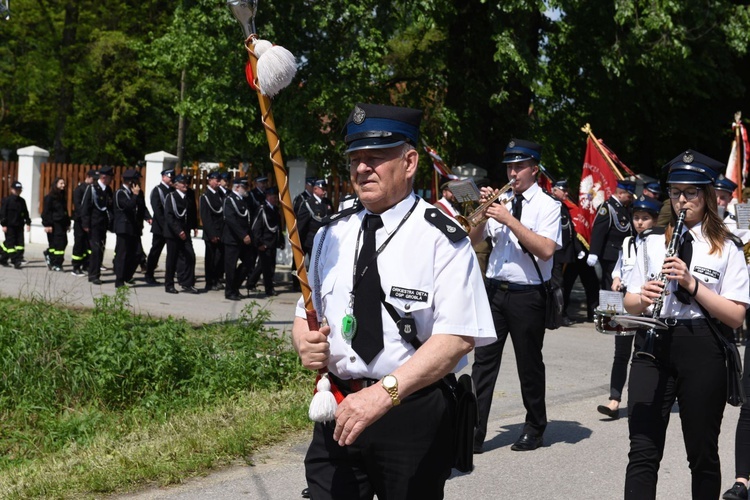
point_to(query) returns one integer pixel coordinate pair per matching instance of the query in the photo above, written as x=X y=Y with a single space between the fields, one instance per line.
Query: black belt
x=507 y=286
x=351 y=385
x=685 y=321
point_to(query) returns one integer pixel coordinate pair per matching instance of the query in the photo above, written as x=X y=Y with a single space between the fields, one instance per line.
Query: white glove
x=591 y=260
x=581 y=255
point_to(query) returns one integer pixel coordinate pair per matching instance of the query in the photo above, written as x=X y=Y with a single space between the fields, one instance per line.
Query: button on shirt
x=507 y=262
x=725 y=274
x=421 y=272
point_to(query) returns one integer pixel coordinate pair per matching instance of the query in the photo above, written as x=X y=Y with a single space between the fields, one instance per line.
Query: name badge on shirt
x=408 y=294
x=707 y=272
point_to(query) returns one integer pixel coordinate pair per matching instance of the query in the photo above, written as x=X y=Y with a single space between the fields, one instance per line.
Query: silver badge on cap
x=512 y=144
x=359 y=115
x=687 y=158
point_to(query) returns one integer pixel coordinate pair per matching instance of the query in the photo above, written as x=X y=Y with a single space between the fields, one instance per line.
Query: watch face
x=389 y=382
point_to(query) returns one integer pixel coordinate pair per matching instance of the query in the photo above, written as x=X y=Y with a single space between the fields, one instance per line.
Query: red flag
x=737 y=166
x=438 y=164
x=598 y=182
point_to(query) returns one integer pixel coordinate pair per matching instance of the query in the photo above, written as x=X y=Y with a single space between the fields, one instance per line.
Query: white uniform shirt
x=421 y=272
x=725 y=274
x=627 y=257
x=507 y=262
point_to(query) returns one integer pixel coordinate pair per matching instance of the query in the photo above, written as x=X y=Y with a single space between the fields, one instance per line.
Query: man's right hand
x=312 y=347
x=591 y=260
x=246 y=240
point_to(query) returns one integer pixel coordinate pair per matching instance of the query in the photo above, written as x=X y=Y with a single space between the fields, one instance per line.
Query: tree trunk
x=181 y=122
x=68 y=53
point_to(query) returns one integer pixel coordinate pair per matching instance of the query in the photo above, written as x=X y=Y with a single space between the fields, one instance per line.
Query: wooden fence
x=8 y=174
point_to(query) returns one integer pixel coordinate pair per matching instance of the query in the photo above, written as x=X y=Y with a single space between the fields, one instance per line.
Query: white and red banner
x=737 y=165
x=598 y=182
x=438 y=164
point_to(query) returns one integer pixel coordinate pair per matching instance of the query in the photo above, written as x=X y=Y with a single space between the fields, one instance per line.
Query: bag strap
x=415 y=342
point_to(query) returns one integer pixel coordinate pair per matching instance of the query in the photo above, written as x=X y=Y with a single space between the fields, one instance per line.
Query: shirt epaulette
x=447 y=225
x=653 y=230
x=736 y=240
x=340 y=215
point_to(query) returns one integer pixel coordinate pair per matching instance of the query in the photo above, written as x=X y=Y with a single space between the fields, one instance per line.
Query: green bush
x=66 y=373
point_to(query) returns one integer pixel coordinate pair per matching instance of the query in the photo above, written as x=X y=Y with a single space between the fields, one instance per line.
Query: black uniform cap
x=16 y=185
x=521 y=150
x=241 y=181
x=214 y=175
x=182 y=178
x=107 y=170
x=131 y=174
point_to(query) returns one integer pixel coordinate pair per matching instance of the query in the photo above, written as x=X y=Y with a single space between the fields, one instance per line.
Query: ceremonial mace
x=269 y=69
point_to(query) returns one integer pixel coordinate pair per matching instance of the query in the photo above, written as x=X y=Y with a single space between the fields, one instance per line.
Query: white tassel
x=276 y=68
x=323 y=404
x=261 y=46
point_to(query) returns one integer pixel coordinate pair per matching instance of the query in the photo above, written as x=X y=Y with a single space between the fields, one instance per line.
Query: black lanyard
x=356 y=279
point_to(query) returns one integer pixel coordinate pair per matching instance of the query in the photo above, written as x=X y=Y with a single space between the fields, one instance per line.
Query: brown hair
x=713 y=227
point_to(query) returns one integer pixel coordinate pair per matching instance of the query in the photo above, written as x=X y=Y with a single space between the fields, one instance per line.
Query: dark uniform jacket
x=611 y=226
x=13 y=211
x=212 y=213
x=299 y=199
x=96 y=207
x=267 y=227
x=158 y=195
x=78 y=193
x=130 y=211
x=55 y=211
x=259 y=197
x=567 y=253
x=310 y=217
x=237 y=217
x=192 y=213
x=176 y=216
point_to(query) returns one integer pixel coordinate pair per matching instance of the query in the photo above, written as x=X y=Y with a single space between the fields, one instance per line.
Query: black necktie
x=368 y=341
x=517 y=206
x=686 y=255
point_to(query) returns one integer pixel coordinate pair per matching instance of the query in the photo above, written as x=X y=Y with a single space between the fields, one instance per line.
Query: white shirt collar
x=394 y=215
x=182 y=195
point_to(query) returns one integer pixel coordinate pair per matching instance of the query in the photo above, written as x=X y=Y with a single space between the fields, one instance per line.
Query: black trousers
x=522 y=315
x=235 y=274
x=214 y=262
x=267 y=266
x=176 y=249
x=607 y=267
x=97 y=240
x=13 y=245
x=407 y=453
x=157 y=245
x=742 y=436
x=590 y=283
x=623 y=353
x=126 y=257
x=690 y=369
x=81 y=247
x=57 y=240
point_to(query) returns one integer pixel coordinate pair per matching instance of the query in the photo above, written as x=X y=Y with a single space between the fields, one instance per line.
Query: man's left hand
x=358 y=411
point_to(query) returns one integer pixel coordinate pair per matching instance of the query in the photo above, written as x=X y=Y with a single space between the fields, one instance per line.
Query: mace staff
x=276 y=75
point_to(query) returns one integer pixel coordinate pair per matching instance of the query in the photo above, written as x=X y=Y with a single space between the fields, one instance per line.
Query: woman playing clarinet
x=684 y=363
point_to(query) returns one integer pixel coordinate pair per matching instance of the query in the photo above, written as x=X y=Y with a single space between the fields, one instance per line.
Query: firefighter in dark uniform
x=13 y=215
x=130 y=213
x=96 y=219
x=212 y=216
x=611 y=226
x=81 y=247
x=185 y=275
x=177 y=235
x=259 y=191
x=158 y=195
x=567 y=254
x=56 y=222
x=237 y=238
x=310 y=215
x=296 y=204
x=267 y=237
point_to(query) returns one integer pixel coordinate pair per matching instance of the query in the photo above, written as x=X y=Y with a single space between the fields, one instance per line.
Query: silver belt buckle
x=670 y=321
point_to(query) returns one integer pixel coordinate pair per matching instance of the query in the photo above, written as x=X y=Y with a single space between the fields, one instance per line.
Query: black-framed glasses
x=690 y=193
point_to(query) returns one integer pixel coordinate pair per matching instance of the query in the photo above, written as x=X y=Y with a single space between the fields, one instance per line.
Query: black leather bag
x=553 y=318
x=466 y=421
x=735 y=390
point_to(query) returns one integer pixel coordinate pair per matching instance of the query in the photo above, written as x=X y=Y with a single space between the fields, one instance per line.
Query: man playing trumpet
x=525 y=235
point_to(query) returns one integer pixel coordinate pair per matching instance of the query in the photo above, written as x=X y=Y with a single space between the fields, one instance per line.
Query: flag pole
x=587 y=130
x=740 y=154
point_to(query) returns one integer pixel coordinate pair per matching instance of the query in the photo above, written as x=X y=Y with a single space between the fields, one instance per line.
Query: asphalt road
x=584 y=456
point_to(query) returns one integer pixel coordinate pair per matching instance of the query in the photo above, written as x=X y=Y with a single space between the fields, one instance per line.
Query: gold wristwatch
x=390 y=384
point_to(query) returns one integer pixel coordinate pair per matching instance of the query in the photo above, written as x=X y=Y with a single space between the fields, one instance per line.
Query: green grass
x=101 y=401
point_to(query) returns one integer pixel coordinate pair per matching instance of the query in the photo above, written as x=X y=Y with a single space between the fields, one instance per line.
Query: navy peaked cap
x=241 y=181
x=107 y=170
x=374 y=126
x=131 y=174
x=562 y=184
x=646 y=204
x=214 y=175
x=628 y=186
x=692 y=167
x=724 y=184
x=522 y=150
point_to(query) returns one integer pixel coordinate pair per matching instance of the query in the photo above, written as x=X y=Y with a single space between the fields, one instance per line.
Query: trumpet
x=477 y=216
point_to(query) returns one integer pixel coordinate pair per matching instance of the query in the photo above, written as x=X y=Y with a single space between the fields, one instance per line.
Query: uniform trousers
x=742 y=436
x=57 y=240
x=590 y=283
x=623 y=353
x=97 y=240
x=81 y=247
x=522 y=314
x=126 y=257
x=214 y=262
x=13 y=245
x=607 y=267
x=235 y=274
x=407 y=453
x=689 y=368
x=157 y=245
x=267 y=266
x=180 y=249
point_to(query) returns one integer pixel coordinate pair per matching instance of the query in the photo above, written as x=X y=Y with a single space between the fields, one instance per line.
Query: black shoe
x=119 y=285
x=527 y=442
x=18 y=265
x=48 y=259
x=606 y=410
x=151 y=280
x=77 y=272
x=272 y=293
x=567 y=322
x=170 y=289
x=217 y=287
x=233 y=296
x=190 y=289
x=4 y=263
x=96 y=281
x=736 y=492
x=478 y=449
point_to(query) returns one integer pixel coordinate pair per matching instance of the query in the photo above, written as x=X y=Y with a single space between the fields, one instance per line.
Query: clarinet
x=651 y=334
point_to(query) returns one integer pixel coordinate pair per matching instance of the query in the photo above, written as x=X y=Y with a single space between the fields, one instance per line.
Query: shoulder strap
x=447 y=225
